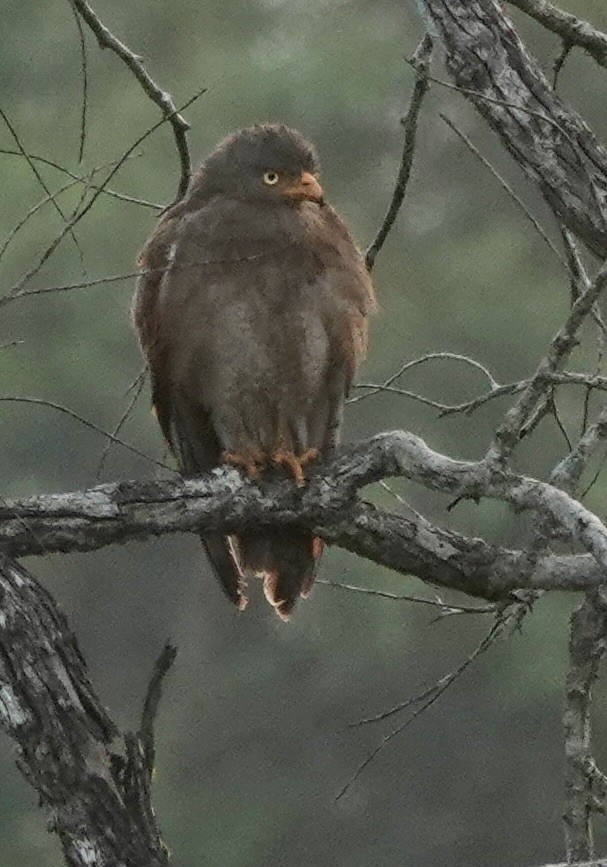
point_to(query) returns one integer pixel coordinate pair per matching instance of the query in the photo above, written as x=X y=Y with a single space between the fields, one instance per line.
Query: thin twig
x=52 y=197
x=514 y=196
x=85 y=81
x=33 y=210
x=421 y=61
x=559 y=63
x=115 y=278
x=430 y=356
x=159 y=97
x=136 y=387
x=38 y=401
x=580 y=281
x=17 y=289
x=425 y=699
x=559 y=421
x=40 y=180
x=587 y=381
x=421 y=600
x=149 y=713
x=105 y=190
x=595 y=477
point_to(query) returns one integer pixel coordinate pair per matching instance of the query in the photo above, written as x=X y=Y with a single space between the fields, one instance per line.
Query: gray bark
x=329 y=505
x=98 y=799
x=549 y=140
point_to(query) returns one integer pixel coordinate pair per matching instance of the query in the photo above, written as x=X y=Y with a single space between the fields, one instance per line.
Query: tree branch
x=572 y=30
x=48 y=707
x=159 y=97
x=561 y=345
x=421 y=61
x=586 y=649
x=600 y=863
x=225 y=501
x=550 y=141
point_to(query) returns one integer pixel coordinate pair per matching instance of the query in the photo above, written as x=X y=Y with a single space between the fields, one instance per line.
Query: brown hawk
x=252 y=313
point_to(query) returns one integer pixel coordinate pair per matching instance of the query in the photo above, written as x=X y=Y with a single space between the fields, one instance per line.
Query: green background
x=252 y=737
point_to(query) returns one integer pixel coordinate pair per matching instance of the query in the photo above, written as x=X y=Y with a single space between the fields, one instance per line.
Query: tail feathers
x=224 y=560
x=287 y=559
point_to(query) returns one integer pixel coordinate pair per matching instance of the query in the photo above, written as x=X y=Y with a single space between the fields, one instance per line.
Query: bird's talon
x=294 y=465
x=250 y=464
x=308 y=456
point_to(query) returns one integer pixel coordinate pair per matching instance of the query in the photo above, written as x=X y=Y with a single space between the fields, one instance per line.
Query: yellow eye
x=270 y=178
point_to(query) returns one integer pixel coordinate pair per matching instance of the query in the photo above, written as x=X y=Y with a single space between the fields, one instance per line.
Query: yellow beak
x=305 y=187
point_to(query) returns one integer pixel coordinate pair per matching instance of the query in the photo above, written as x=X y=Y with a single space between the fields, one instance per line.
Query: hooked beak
x=305 y=187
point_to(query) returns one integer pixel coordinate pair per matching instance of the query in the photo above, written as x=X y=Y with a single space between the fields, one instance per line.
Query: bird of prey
x=252 y=312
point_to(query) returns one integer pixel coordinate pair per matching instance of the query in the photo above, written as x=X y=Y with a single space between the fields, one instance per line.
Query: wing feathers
x=252 y=334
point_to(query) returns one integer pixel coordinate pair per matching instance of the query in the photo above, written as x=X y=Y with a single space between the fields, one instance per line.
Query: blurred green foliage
x=252 y=745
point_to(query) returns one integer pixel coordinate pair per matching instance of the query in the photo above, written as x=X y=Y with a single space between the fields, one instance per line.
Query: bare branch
x=159 y=97
x=600 y=863
x=48 y=707
x=424 y=699
x=85 y=81
x=40 y=179
x=508 y=434
x=567 y=473
x=225 y=501
x=437 y=602
x=52 y=197
x=38 y=401
x=572 y=30
x=79 y=213
x=421 y=61
x=559 y=63
x=514 y=196
x=146 y=738
x=588 y=381
x=136 y=387
x=580 y=281
x=430 y=356
x=550 y=141
x=115 y=278
x=105 y=190
x=586 y=649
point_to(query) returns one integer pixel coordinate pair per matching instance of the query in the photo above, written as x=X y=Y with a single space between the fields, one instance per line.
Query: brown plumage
x=252 y=312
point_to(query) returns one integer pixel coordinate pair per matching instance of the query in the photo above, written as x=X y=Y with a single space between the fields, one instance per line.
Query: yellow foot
x=308 y=456
x=294 y=465
x=250 y=462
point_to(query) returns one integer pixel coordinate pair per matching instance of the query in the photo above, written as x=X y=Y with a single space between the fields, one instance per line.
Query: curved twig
x=421 y=60
x=159 y=97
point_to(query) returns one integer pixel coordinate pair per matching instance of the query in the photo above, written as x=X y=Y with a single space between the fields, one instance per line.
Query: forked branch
x=68 y=749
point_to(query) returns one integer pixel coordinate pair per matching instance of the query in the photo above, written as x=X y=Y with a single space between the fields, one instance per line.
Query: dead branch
x=421 y=60
x=572 y=30
x=586 y=649
x=67 y=743
x=552 y=144
x=159 y=97
x=225 y=501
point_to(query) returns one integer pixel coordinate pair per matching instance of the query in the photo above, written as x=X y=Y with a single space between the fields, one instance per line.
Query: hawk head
x=267 y=162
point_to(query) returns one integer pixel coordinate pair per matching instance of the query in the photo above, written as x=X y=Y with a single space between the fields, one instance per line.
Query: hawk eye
x=270 y=178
